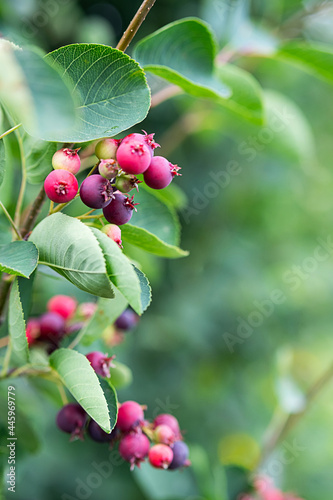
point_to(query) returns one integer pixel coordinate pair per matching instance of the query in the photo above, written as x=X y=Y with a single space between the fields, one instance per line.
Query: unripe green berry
x=107 y=149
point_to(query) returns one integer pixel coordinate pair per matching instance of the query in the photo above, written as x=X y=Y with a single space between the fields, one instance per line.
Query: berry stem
x=18 y=234
x=89 y=216
x=135 y=24
x=33 y=213
x=10 y=131
x=164 y=95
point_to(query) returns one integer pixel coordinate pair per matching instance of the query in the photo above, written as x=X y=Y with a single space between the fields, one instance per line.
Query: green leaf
x=151 y=243
x=315 y=58
x=38 y=159
x=145 y=289
x=16 y=324
x=81 y=380
x=111 y=400
x=110 y=89
x=2 y=160
x=183 y=53
x=19 y=258
x=34 y=92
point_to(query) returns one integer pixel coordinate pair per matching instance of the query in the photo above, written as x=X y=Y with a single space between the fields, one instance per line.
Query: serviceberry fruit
x=134 y=448
x=108 y=168
x=170 y=421
x=113 y=232
x=159 y=173
x=134 y=156
x=160 y=456
x=32 y=330
x=125 y=183
x=164 y=435
x=100 y=362
x=61 y=186
x=63 y=305
x=67 y=159
x=52 y=325
x=96 y=192
x=107 y=148
x=180 y=455
x=87 y=309
x=120 y=210
x=127 y=320
x=97 y=434
x=130 y=416
x=145 y=138
x=72 y=419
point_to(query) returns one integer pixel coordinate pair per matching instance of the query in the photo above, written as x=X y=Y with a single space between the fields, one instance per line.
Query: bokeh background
x=259 y=232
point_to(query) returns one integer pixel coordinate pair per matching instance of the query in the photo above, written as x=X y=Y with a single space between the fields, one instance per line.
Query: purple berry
x=97 y=434
x=134 y=448
x=134 y=156
x=160 y=456
x=100 y=362
x=120 y=210
x=159 y=173
x=72 y=419
x=51 y=325
x=107 y=148
x=127 y=320
x=96 y=192
x=108 y=168
x=180 y=455
x=67 y=159
x=130 y=416
x=61 y=186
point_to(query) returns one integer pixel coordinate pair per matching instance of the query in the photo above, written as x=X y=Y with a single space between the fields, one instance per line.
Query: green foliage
x=19 y=258
x=2 y=160
x=38 y=159
x=315 y=58
x=16 y=324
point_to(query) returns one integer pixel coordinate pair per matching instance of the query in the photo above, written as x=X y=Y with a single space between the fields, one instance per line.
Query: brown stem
x=164 y=94
x=5 y=284
x=135 y=24
x=33 y=213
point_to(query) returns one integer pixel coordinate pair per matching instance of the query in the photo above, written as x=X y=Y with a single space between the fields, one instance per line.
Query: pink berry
x=66 y=159
x=72 y=419
x=134 y=156
x=164 y=435
x=130 y=416
x=61 y=186
x=96 y=192
x=120 y=210
x=170 y=421
x=52 y=325
x=113 y=232
x=32 y=330
x=158 y=175
x=100 y=362
x=107 y=148
x=108 y=168
x=87 y=309
x=160 y=456
x=134 y=448
x=145 y=138
x=63 y=305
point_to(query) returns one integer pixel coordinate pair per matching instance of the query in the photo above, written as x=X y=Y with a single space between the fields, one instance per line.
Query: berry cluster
x=133 y=433
x=120 y=161
x=264 y=489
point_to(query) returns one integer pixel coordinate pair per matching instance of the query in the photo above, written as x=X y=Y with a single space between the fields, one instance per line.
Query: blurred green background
x=265 y=226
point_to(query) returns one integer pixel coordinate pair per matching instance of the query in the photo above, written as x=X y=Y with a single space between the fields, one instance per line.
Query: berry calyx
x=107 y=149
x=100 y=362
x=61 y=186
x=113 y=232
x=180 y=455
x=120 y=210
x=160 y=456
x=72 y=419
x=127 y=320
x=63 y=305
x=159 y=173
x=52 y=326
x=134 y=448
x=97 y=434
x=96 y=192
x=134 y=156
x=108 y=168
x=67 y=159
x=170 y=421
x=145 y=138
x=130 y=416
x=125 y=183
x=164 y=435
x=32 y=331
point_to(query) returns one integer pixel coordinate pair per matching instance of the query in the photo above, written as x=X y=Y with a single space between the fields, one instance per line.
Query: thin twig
x=135 y=24
x=165 y=94
x=33 y=213
x=10 y=131
x=18 y=234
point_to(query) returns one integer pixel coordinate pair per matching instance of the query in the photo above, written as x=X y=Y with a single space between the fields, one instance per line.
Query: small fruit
x=72 y=419
x=96 y=192
x=164 y=435
x=130 y=416
x=125 y=183
x=159 y=173
x=87 y=309
x=134 y=156
x=120 y=210
x=108 y=168
x=127 y=320
x=97 y=434
x=63 y=305
x=52 y=326
x=107 y=149
x=160 y=456
x=145 y=138
x=180 y=455
x=134 y=448
x=121 y=375
x=100 y=362
x=32 y=330
x=61 y=186
x=170 y=421
x=66 y=159
x=113 y=232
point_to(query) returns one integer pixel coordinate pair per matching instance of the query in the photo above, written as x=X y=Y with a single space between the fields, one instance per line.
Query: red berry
x=164 y=435
x=96 y=192
x=134 y=156
x=160 y=456
x=63 y=305
x=127 y=320
x=130 y=416
x=113 y=232
x=72 y=419
x=170 y=421
x=120 y=210
x=32 y=330
x=100 y=362
x=52 y=326
x=145 y=138
x=107 y=148
x=180 y=455
x=66 y=159
x=61 y=186
x=134 y=448
x=158 y=175
x=108 y=168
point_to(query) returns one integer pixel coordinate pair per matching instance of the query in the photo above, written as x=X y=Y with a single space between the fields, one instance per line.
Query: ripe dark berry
x=130 y=416
x=125 y=183
x=100 y=362
x=170 y=421
x=32 y=330
x=108 y=168
x=134 y=156
x=61 y=186
x=113 y=232
x=96 y=192
x=134 y=448
x=67 y=159
x=158 y=175
x=180 y=455
x=120 y=210
x=52 y=325
x=72 y=419
x=97 y=434
x=127 y=320
x=63 y=305
x=107 y=148
x=160 y=456
x=164 y=435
